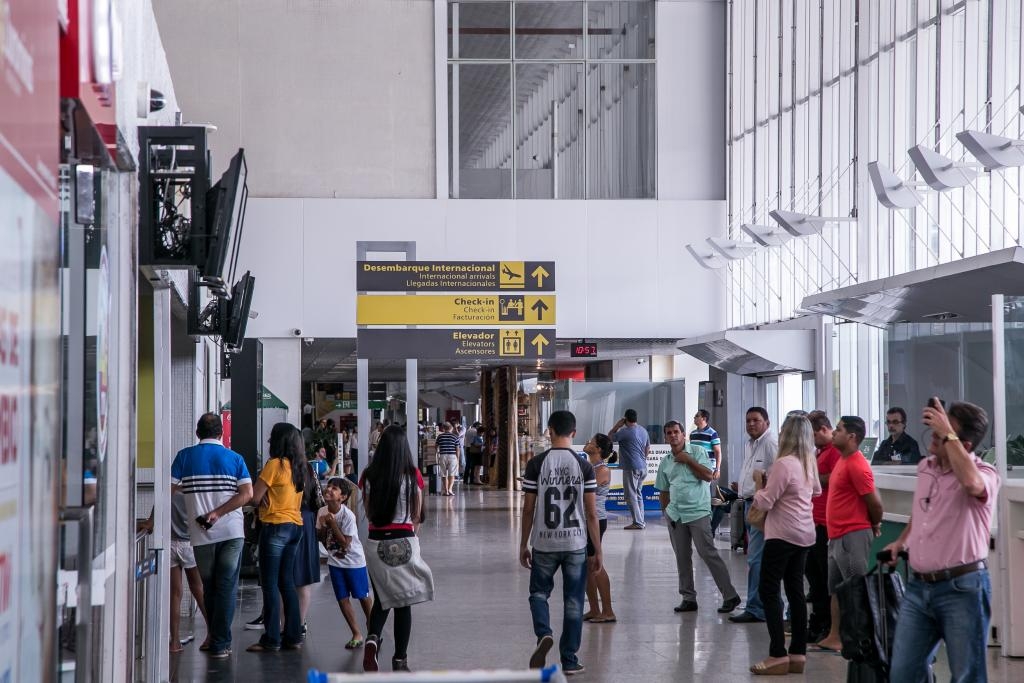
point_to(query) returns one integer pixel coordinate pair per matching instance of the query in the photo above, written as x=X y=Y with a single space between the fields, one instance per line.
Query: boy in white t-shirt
x=337 y=530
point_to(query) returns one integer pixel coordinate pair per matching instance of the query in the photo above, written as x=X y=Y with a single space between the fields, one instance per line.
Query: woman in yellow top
x=278 y=492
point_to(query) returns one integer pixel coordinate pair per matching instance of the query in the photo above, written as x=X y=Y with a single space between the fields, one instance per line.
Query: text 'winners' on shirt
x=559 y=477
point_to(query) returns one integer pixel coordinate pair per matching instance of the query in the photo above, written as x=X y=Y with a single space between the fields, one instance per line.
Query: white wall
x=691 y=75
x=622 y=270
x=282 y=372
x=329 y=99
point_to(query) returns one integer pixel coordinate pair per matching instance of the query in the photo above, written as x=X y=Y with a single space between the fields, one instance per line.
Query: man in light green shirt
x=682 y=483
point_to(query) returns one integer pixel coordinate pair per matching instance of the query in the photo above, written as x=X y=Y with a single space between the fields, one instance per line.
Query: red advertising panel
x=89 y=50
x=29 y=106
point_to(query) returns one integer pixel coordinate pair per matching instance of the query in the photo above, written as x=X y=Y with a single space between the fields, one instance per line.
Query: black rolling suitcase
x=869 y=606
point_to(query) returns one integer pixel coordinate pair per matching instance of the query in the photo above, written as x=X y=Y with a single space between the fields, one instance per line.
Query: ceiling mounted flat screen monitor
x=225 y=205
x=241 y=301
x=584 y=350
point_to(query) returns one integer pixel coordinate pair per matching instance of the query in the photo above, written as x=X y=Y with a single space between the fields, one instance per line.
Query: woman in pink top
x=789 y=534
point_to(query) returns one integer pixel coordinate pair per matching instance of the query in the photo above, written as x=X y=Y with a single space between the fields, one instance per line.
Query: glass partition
x=598 y=405
x=1013 y=366
x=952 y=361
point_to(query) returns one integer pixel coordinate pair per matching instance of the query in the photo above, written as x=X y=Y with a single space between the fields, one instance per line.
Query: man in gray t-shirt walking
x=634 y=445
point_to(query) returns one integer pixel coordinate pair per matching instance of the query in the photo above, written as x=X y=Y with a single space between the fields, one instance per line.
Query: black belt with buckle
x=951 y=573
x=748 y=500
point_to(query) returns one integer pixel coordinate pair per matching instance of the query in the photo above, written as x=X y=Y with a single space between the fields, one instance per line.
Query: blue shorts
x=350 y=581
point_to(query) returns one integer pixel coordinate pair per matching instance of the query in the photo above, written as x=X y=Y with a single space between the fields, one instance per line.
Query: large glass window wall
x=819 y=90
x=551 y=100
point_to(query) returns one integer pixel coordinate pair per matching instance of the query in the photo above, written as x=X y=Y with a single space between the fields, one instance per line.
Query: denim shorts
x=350 y=582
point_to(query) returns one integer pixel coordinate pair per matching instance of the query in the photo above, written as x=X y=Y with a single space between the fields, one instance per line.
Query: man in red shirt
x=853 y=515
x=817 y=560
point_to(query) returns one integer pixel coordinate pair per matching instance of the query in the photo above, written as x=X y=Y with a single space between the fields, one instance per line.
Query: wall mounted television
x=225 y=215
x=241 y=300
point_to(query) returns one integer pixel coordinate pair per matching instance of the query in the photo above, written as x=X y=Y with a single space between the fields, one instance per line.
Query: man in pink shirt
x=947 y=539
x=817 y=559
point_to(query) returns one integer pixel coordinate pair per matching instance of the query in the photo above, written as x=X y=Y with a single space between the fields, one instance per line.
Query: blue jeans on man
x=632 y=490
x=755 y=549
x=218 y=565
x=279 y=546
x=956 y=611
x=574 y=587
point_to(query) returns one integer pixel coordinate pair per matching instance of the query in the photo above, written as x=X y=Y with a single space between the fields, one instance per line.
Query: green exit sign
x=354 y=405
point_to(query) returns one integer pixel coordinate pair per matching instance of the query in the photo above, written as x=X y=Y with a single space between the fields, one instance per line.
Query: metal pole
x=1004 y=587
x=159 y=596
x=363 y=425
x=411 y=404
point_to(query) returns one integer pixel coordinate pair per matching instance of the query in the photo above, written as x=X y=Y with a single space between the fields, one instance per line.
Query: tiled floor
x=480 y=617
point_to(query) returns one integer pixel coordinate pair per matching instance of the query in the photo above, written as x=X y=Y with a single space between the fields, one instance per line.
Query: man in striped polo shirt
x=448 y=456
x=216 y=484
x=706 y=437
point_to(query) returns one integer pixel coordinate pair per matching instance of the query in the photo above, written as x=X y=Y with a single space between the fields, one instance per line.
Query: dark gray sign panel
x=507 y=343
x=446 y=276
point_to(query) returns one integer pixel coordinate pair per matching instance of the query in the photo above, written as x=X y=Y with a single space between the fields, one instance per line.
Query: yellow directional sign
x=539 y=341
x=466 y=309
x=511 y=275
x=538 y=274
x=512 y=343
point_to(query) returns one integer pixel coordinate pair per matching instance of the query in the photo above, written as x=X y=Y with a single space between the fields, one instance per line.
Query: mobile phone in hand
x=203 y=522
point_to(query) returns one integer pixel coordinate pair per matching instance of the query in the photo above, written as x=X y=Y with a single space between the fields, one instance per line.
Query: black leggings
x=403 y=626
x=784 y=562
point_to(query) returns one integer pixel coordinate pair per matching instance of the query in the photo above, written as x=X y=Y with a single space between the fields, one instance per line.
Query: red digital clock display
x=581 y=350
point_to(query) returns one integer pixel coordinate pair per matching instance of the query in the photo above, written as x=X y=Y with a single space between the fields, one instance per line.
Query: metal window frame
x=512 y=61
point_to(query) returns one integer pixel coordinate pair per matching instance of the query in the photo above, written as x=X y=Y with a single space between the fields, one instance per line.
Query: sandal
x=762 y=669
x=590 y=616
x=603 y=620
x=796 y=666
x=354 y=644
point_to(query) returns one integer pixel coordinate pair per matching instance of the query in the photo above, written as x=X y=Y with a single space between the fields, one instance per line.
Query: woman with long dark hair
x=278 y=492
x=393 y=500
x=598 y=450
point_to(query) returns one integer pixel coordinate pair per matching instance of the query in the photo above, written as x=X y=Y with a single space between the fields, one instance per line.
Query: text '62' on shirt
x=559 y=478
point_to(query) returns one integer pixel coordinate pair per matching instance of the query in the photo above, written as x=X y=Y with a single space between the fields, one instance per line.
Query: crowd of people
x=810 y=507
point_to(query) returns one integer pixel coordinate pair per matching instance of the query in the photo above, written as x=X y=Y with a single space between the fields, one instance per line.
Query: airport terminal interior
x=436 y=226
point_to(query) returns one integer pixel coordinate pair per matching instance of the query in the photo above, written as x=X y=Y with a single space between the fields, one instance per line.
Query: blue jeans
x=755 y=549
x=279 y=544
x=218 y=565
x=958 y=612
x=632 y=490
x=574 y=587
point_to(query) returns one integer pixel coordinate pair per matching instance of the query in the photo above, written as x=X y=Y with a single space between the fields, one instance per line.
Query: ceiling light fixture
x=733 y=250
x=993 y=151
x=892 y=191
x=805 y=225
x=939 y=171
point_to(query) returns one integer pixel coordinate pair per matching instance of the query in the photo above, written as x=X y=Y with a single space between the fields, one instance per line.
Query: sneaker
x=540 y=654
x=255 y=625
x=729 y=605
x=745 y=618
x=304 y=629
x=399 y=664
x=573 y=669
x=370 y=654
x=220 y=654
x=685 y=606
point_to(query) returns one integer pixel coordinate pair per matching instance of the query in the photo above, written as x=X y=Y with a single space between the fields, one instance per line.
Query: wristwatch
x=950 y=437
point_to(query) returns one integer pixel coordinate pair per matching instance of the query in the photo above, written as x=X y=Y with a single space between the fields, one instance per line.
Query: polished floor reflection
x=480 y=617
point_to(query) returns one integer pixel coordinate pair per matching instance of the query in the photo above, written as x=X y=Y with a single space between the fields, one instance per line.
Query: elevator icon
x=511 y=343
